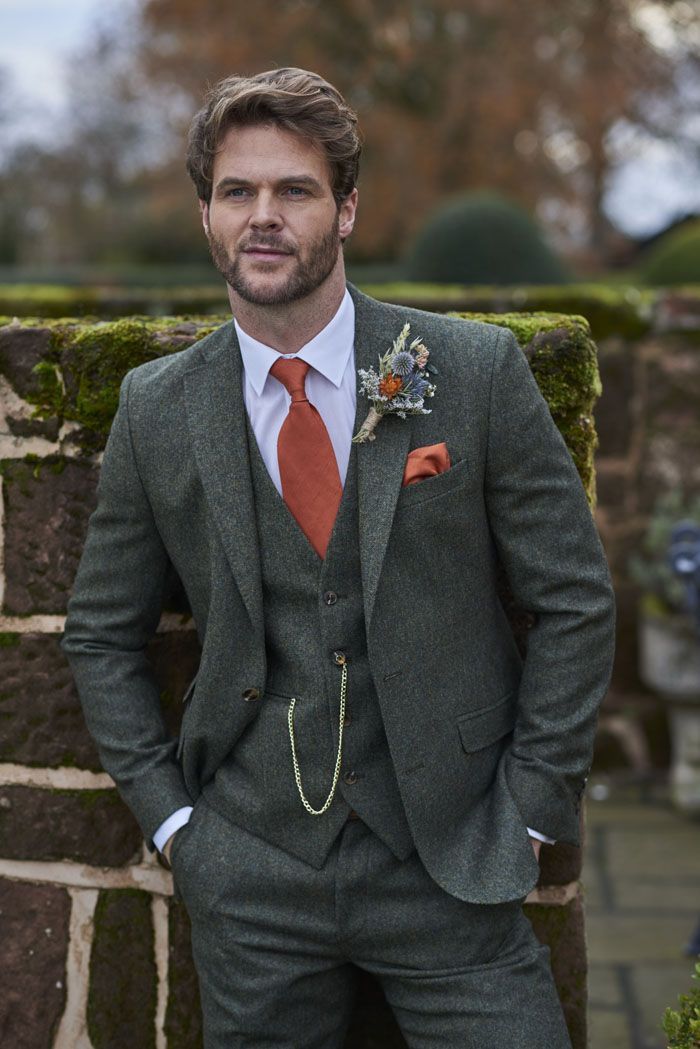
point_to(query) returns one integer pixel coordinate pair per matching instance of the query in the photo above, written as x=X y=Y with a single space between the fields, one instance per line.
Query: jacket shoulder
x=162 y=373
x=461 y=340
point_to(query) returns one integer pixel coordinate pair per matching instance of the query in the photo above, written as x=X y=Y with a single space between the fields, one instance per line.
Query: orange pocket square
x=425 y=462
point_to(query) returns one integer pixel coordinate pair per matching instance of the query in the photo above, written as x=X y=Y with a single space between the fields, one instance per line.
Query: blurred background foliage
x=537 y=104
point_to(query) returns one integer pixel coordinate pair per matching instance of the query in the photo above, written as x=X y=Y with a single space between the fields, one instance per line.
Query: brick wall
x=94 y=950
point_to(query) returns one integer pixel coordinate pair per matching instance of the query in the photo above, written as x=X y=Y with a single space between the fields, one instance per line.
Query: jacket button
x=350 y=777
x=330 y=597
x=249 y=694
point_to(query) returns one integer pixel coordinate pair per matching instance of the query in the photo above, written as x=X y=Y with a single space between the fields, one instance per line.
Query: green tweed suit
x=176 y=495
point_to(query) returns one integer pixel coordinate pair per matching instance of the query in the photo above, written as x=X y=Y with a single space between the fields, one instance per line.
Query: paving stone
x=123 y=979
x=603 y=986
x=47 y=505
x=632 y=813
x=634 y=939
x=660 y=895
x=87 y=826
x=609 y=1030
x=34 y=922
x=630 y=851
x=41 y=720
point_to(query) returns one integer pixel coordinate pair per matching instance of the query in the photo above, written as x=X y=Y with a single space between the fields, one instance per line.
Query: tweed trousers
x=277 y=944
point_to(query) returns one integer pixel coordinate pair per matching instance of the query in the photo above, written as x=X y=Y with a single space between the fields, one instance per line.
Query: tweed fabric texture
x=254 y=786
x=276 y=945
x=483 y=744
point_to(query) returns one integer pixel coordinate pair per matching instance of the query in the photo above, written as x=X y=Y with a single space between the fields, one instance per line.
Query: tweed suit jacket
x=484 y=743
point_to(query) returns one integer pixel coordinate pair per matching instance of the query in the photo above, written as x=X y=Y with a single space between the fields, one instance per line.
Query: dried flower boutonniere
x=400 y=387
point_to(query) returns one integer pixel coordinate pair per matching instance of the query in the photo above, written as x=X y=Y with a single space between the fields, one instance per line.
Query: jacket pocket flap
x=486 y=726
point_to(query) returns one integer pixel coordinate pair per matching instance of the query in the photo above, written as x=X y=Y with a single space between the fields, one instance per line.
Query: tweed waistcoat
x=312 y=609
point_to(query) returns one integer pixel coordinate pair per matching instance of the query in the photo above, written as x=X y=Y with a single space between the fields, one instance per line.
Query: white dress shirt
x=331 y=388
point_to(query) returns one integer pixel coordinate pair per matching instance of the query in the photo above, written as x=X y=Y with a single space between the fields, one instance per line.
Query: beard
x=308 y=274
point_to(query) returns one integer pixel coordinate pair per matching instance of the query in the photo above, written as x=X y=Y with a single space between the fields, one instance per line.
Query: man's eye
x=296 y=191
x=237 y=191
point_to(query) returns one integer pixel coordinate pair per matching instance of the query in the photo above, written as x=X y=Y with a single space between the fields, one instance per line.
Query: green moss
x=80 y=377
x=624 y=311
x=8 y=640
x=564 y=362
x=122 y=992
x=30 y=465
x=55 y=300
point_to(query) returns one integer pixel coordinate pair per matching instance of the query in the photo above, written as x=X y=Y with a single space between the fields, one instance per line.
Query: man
x=366 y=766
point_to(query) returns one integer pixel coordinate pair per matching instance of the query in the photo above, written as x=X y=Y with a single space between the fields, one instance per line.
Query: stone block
x=87 y=826
x=123 y=978
x=41 y=720
x=559 y=864
x=175 y=658
x=34 y=924
x=47 y=506
x=562 y=929
x=183 y=1016
x=21 y=349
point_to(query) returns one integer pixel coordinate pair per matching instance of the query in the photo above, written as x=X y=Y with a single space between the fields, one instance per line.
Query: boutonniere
x=399 y=388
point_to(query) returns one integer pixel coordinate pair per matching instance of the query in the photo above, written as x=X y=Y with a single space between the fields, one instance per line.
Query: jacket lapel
x=216 y=420
x=380 y=463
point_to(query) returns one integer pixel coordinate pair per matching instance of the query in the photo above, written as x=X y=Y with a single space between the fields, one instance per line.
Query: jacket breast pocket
x=459 y=474
x=481 y=728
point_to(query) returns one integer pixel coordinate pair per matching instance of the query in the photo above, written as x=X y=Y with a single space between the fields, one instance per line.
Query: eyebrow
x=298 y=180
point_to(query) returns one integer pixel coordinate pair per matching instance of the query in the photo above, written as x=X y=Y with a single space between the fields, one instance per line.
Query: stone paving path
x=641 y=881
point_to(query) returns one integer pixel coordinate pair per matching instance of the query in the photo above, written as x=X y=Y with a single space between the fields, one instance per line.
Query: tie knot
x=291 y=372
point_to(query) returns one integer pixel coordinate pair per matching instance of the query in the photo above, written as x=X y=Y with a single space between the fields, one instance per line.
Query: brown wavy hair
x=290 y=98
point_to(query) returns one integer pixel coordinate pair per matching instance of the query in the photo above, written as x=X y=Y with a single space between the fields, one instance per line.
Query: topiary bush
x=675 y=259
x=482 y=238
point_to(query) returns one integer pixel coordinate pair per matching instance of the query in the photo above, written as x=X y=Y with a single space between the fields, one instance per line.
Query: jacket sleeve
x=547 y=541
x=114 y=610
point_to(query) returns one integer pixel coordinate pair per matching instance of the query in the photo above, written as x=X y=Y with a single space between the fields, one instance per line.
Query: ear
x=204 y=212
x=346 y=215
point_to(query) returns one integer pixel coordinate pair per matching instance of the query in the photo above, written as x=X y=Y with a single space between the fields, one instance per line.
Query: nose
x=265 y=214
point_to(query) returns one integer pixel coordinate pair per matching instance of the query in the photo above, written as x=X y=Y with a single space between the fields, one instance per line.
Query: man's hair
x=293 y=99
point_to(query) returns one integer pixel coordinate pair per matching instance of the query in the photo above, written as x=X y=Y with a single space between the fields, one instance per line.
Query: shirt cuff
x=169 y=826
x=533 y=834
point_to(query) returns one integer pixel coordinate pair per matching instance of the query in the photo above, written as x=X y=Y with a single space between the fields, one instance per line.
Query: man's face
x=273 y=226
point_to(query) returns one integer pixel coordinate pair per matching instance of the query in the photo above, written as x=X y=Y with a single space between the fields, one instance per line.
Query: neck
x=289 y=326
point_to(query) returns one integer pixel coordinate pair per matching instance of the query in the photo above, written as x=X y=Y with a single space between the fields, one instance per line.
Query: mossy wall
x=121 y=942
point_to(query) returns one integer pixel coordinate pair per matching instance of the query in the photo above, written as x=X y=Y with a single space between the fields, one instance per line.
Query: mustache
x=273 y=243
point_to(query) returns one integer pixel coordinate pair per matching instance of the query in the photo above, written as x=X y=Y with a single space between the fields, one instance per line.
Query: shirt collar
x=327 y=352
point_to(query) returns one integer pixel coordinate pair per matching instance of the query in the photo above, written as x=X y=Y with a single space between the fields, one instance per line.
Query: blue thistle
x=402 y=363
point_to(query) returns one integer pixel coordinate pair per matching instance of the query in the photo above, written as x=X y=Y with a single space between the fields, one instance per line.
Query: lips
x=260 y=251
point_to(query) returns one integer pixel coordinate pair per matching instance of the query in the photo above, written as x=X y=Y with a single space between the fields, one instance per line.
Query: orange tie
x=311 y=484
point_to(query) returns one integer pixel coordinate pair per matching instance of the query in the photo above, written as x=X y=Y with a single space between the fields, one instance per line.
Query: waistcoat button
x=249 y=694
x=350 y=777
x=347 y=719
x=330 y=597
x=340 y=658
